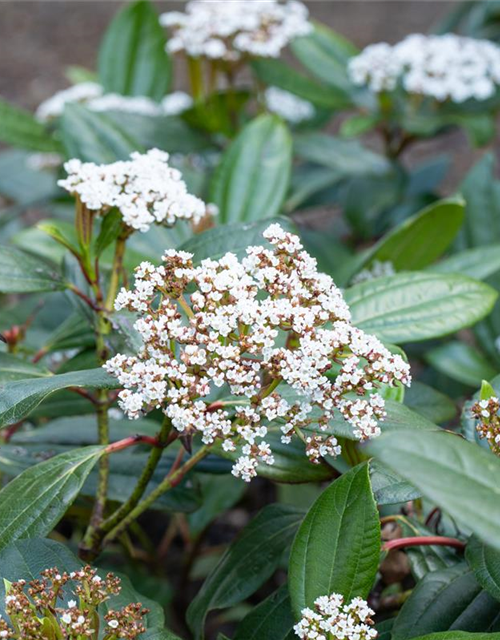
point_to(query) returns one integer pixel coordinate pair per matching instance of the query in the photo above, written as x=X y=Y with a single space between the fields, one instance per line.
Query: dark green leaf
x=460 y=635
x=270 y=620
x=418 y=306
x=459 y=477
x=13 y=368
x=432 y=404
x=337 y=547
x=132 y=58
x=476 y=263
x=447 y=600
x=252 y=179
x=34 y=502
x=22 y=273
x=19 y=398
x=485 y=562
x=248 y=562
x=94 y=137
x=461 y=362
x=20 y=129
x=388 y=487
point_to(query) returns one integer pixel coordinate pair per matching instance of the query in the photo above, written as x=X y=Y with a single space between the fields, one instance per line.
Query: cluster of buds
x=145 y=189
x=486 y=413
x=334 y=620
x=232 y=345
x=228 y=31
x=35 y=612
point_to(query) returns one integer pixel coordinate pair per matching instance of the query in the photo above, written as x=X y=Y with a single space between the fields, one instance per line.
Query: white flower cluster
x=145 y=189
x=488 y=425
x=230 y=30
x=245 y=327
x=446 y=67
x=93 y=97
x=377 y=269
x=288 y=106
x=334 y=620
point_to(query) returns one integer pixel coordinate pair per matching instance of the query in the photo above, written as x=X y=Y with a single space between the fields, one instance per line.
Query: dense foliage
x=250 y=347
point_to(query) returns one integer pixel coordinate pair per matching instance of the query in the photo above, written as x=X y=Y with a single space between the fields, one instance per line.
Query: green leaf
x=13 y=368
x=348 y=157
x=485 y=562
x=447 y=600
x=336 y=549
x=476 y=263
x=276 y=73
x=358 y=124
x=247 y=563
x=252 y=178
x=408 y=246
x=34 y=502
x=418 y=306
x=234 y=237
x=431 y=404
x=132 y=57
x=325 y=53
x=110 y=230
x=19 y=398
x=20 y=129
x=460 y=635
x=388 y=487
x=486 y=391
x=219 y=494
x=94 y=137
x=461 y=362
x=21 y=272
x=272 y=619
x=459 y=477
x=25 y=559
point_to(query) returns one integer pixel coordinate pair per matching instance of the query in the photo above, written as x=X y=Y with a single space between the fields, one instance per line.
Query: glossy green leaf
x=432 y=404
x=444 y=601
x=21 y=272
x=34 y=502
x=408 y=247
x=459 y=477
x=14 y=368
x=25 y=559
x=20 y=129
x=418 y=306
x=132 y=58
x=94 y=137
x=235 y=237
x=19 y=398
x=485 y=562
x=247 y=563
x=276 y=73
x=337 y=546
x=272 y=619
x=252 y=178
x=348 y=157
x=476 y=263
x=461 y=362
x=460 y=635
x=388 y=487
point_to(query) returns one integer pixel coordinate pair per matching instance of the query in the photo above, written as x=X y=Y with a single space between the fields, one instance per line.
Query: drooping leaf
x=485 y=562
x=252 y=178
x=418 y=306
x=20 y=129
x=247 y=563
x=272 y=619
x=459 y=477
x=19 y=398
x=446 y=600
x=461 y=362
x=21 y=272
x=337 y=547
x=94 y=137
x=132 y=58
x=33 y=503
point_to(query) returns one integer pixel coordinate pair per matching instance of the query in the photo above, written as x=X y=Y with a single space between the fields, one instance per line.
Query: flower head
x=145 y=189
x=268 y=332
x=446 y=67
x=488 y=421
x=231 y=30
x=331 y=619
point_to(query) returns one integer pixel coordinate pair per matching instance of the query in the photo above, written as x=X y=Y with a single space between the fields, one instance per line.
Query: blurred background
x=39 y=39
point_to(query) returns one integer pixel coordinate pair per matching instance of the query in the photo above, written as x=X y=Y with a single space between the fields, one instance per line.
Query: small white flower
x=114 y=624
x=66 y=618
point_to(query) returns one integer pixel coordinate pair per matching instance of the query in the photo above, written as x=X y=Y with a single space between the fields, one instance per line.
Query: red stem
x=132 y=441
x=417 y=541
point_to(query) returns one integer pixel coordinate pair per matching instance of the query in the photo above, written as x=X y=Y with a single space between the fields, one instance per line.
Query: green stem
x=116 y=271
x=142 y=483
x=196 y=78
x=171 y=481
